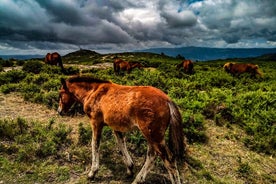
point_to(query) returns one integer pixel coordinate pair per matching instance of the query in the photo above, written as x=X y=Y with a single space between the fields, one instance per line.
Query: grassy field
x=229 y=122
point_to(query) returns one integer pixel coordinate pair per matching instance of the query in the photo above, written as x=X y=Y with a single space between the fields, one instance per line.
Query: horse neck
x=80 y=91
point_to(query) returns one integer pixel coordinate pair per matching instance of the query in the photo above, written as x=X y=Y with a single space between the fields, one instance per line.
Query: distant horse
x=239 y=68
x=123 y=108
x=122 y=65
x=187 y=65
x=54 y=59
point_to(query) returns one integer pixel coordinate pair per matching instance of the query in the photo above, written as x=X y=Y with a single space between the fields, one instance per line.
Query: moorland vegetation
x=47 y=152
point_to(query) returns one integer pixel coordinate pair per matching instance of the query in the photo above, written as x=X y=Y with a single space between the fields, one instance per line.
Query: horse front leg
x=96 y=137
x=123 y=148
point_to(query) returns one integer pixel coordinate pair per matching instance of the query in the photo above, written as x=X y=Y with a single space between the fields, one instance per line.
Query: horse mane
x=87 y=79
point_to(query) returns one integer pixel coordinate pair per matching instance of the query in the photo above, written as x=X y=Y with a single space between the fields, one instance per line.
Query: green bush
x=85 y=134
x=72 y=70
x=12 y=76
x=6 y=63
x=194 y=128
x=32 y=66
x=20 y=62
x=7 y=88
x=51 y=69
x=50 y=99
x=33 y=139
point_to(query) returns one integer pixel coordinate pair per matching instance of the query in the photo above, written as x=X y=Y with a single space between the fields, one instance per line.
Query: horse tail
x=177 y=143
x=60 y=64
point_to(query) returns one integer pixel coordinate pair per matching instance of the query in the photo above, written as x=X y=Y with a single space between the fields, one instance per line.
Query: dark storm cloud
x=179 y=19
x=63 y=12
x=132 y=24
x=235 y=20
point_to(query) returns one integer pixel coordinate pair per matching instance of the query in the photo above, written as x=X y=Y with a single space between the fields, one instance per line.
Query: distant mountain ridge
x=193 y=53
x=22 y=57
x=207 y=53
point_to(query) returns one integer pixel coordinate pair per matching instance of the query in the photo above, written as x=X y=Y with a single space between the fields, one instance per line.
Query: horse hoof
x=91 y=175
x=130 y=175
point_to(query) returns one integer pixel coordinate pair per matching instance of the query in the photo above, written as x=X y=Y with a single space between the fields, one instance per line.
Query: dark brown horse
x=187 y=66
x=121 y=65
x=54 y=59
x=124 y=108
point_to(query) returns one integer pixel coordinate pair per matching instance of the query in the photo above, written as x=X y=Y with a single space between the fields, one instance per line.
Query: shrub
x=12 y=76
x=6 y=63
x=51 y=84
x=7 y=88
x=20 y=62
x=51 y=69
x=72 y=71
x=85 y=134
x=194 y=129
x=60 y=135
x=50 y=99
x=32 y=66
x=29 y=91
x=13 y=128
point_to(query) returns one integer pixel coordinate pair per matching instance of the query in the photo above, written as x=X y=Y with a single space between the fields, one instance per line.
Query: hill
x=92 y=57
x=206 y=53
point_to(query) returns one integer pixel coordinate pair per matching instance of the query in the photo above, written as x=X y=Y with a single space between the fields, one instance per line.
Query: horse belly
x=119 y=122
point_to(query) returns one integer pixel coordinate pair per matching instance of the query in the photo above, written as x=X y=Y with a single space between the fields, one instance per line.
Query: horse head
x=66 y=98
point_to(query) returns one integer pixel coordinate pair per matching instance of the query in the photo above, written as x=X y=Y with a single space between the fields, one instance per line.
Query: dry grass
x=224 y=156
x=13 y=106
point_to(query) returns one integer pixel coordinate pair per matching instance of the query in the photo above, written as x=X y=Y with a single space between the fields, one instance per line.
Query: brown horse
x=122 y=65
x=123 y=108
x=239 y=68
x=187 y=65
x=54 y=59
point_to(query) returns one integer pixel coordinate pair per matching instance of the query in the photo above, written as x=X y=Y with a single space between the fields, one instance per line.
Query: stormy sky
x=105 y=26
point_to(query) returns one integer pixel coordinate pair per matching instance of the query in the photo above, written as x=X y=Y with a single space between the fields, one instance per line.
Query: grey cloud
x=104 y=24
x=239 y=19
x=64 y=11
x=180 y=19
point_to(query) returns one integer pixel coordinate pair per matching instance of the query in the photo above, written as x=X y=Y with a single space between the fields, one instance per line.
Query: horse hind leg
x=169 y=162
x=123 y=148
x=149 y=163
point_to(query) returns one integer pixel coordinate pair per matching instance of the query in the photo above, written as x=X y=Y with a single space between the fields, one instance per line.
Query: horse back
x=126 y=107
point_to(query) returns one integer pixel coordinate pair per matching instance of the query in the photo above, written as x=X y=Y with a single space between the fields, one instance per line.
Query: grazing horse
x=240 y=68
x=187 y=65
x=124 y=108
x=122 y=65
x=54 y=59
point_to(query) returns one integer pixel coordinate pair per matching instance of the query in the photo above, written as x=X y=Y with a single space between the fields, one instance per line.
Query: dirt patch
x=13 y=106
x=6 y=69
x=95 y=66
